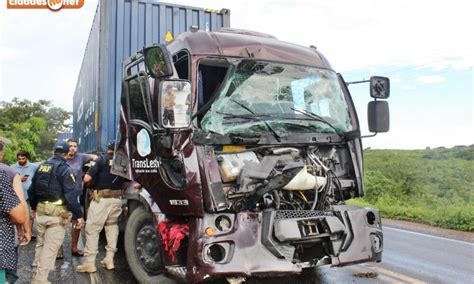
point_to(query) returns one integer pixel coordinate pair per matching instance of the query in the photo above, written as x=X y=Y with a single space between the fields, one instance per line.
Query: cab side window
x=137 y=102
x=181 y=64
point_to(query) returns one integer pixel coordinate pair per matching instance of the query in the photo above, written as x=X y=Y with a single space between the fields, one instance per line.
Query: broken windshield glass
x=276 y=93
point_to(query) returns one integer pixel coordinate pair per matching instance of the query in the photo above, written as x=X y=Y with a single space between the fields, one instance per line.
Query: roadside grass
x=433 y=186
x=451 y=216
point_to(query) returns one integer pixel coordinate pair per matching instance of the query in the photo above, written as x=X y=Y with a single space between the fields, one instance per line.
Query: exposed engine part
x=232 y=164
x=277 y=180
x=316 y=161
x=255 y=174
x=305 y=181
x=279 y=151
x=284 y=178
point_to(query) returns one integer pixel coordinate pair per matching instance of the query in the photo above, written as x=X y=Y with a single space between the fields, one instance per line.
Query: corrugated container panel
x=65 y=135
x=119 y=30
x=86 y=93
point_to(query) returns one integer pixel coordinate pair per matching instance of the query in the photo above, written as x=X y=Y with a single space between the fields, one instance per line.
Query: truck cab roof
x=247 y=44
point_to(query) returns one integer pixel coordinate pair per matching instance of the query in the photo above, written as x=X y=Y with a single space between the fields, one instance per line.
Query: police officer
x=104 y=210
x=54 y=201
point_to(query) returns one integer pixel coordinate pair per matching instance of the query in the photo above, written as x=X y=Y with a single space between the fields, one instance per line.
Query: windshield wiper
x=319 y=118
x=257 y=117
x=243 y=116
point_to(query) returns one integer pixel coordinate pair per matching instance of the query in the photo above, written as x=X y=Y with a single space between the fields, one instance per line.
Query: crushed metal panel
x=251 y=46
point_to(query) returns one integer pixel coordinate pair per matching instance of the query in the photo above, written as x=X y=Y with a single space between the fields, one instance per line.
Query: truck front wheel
x=143 y=248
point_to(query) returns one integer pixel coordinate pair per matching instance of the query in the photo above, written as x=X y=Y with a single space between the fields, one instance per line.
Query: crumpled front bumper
x=284 y=242
x=364 y=237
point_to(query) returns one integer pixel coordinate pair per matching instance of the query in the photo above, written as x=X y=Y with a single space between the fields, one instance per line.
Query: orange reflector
x=233 y=148
x=209 y=231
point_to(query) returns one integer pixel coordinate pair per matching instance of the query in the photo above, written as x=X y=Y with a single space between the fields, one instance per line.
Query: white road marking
x=426 y=235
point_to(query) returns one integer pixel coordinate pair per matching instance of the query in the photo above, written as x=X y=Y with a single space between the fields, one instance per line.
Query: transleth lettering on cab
x=145 y=166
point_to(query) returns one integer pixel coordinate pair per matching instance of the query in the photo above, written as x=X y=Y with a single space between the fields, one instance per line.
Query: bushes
x=380 y=186
x=431 y=186
x=454 y=216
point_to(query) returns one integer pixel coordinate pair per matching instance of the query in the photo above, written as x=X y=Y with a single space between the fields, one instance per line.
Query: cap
x=61 y=146
x=111 y=144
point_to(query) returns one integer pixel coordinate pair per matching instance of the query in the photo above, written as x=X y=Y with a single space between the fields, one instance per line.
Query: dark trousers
x=168 y=116
x=12 y=275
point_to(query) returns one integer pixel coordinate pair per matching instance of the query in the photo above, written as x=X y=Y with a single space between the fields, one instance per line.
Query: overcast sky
x=425 y=47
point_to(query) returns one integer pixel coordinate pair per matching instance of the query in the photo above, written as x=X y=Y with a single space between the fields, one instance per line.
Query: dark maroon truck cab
x=249 y=146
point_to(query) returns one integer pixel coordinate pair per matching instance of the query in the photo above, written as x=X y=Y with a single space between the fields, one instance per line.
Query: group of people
x=50 y=193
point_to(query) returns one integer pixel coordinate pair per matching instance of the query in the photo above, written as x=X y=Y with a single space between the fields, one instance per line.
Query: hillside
x=434 y=186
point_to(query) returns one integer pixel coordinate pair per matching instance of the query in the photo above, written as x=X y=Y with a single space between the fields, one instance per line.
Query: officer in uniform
x=54 y=201
x=104 y=210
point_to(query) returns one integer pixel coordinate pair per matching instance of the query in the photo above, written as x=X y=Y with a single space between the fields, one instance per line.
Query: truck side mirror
x=157 y=60
x=379 y=87
x=378 y=116
x=175 y=104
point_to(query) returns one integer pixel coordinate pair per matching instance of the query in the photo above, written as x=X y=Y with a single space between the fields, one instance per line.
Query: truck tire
x=143 y=248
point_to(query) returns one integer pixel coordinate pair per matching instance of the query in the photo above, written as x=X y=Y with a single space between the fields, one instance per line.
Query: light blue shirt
x=28 y=169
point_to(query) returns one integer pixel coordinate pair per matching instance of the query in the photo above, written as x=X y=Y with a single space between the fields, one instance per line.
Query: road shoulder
x=427 y=229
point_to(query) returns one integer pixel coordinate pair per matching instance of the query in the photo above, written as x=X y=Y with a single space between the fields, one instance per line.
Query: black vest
x=104 y=179
x=48 y=175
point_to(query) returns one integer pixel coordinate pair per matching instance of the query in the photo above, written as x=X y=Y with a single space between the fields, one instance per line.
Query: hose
x=315 y=190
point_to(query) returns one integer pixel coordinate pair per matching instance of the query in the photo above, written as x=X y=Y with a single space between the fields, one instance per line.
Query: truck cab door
x=133 y=154
x=154 y=145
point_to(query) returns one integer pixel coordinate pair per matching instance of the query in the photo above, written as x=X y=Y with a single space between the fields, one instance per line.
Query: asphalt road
x=409 y=257
x=412 y=257
x=64 y=272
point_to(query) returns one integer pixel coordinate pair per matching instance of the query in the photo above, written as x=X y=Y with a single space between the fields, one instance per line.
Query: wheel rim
x=148 y=249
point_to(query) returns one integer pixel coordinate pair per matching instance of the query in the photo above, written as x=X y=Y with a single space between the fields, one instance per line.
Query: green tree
x=32 y=126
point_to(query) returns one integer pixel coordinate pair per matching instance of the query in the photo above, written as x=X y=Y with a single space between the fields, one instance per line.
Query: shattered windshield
x=285 y=98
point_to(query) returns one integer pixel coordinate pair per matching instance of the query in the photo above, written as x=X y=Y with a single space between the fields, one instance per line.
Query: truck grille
x=294 y=214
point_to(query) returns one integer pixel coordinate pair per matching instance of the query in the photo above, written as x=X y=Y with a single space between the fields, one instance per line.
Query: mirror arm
x=357 y=82
x=367 y=136
x=157 y=130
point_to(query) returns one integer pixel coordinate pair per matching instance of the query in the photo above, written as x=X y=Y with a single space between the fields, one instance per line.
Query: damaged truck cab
x=247 y=148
